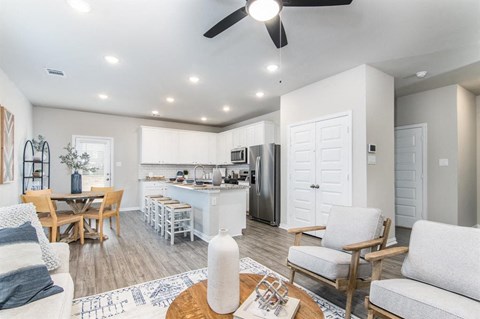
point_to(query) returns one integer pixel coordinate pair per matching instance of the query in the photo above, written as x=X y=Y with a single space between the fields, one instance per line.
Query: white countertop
x=209 y=188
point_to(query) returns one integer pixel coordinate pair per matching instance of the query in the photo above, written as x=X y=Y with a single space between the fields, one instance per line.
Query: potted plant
x=38 y=147
x=76 y=162
x=185 y=173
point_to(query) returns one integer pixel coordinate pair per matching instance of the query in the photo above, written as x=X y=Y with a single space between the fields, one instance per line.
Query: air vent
x=55 y=72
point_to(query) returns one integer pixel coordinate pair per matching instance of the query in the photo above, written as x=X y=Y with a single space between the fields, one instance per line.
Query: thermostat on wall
x=372 y=148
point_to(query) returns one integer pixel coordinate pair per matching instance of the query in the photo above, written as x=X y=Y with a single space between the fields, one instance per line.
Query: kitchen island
x=214 y=207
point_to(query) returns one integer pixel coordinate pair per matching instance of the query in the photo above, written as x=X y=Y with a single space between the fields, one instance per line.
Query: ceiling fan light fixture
x=264 y=10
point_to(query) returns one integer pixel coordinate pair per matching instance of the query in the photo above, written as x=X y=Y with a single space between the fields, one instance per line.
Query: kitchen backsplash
x=171 y=170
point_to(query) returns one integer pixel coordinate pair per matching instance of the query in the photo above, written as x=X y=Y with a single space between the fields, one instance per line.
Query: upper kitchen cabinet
x=224 y=146
x=239 y=137
x=260 y=133
x=170 y=146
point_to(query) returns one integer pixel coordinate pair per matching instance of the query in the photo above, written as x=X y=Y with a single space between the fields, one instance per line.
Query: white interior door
x=302 y=175
x=100 y=150
x=409 y=175
x=333 y=163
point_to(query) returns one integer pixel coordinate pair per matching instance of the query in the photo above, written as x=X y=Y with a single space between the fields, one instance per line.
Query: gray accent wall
x=58 y=126
x=368 y=93
x=13 y=99
x=451 y=131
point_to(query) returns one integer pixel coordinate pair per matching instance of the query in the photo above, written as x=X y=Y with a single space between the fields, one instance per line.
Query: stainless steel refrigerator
x=264 y=172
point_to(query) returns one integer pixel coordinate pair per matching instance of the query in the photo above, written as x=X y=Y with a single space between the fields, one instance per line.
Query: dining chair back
x=48 y=216
x=110 y=207
x=47 y=191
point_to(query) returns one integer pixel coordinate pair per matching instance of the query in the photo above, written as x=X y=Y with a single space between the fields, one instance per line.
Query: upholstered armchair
x=442 y=275
x=350 y=233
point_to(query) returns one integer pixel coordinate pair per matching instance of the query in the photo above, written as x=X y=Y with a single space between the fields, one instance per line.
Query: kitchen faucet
x=195 y=173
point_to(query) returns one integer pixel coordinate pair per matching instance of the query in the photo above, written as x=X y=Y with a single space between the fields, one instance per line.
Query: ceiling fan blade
x=315 y=3
x=277 y=32
x=226 y=22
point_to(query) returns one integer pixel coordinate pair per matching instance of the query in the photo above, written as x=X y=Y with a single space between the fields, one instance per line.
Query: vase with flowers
x=38 y=147
x=76 y=162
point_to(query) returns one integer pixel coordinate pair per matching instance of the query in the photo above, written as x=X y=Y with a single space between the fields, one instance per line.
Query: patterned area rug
x=152 y=299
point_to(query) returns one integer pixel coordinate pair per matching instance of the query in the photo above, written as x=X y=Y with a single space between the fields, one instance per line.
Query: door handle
x=312 y=186
x=108 y=179
x=317 y=186
x=257 y=175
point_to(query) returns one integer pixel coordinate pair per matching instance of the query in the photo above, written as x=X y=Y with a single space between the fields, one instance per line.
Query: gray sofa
x=442 y=275
x=53 y=307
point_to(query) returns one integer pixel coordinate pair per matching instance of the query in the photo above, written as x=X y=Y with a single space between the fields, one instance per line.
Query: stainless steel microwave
x=238 y=155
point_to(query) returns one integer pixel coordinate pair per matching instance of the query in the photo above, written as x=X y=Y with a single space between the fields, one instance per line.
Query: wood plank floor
x=141 y=255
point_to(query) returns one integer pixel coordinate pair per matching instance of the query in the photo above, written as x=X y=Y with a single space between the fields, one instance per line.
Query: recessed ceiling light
x=111 y=59
x=102 y=96
x=193 y=79
x=155 y=113
x=272 y=67
x=226 y=108
x=170 y=99
x=421 y=74
x=204 y=119
x=260 y=94
x=79 y=5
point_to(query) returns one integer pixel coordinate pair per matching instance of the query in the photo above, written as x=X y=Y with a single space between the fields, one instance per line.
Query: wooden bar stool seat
x=178 y=220
x=148 y=203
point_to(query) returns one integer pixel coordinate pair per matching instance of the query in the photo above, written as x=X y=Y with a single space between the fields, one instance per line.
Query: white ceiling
x=160 y=44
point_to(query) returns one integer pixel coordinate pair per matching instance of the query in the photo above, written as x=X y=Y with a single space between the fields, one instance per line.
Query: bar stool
x=160 y=213
x=178 y=219
x=147 y=203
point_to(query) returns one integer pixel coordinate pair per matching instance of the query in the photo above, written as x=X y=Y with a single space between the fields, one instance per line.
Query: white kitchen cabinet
x=169 y=146
x=212 y=149
x=224 y=147
x=239 y=137
x=149 y=145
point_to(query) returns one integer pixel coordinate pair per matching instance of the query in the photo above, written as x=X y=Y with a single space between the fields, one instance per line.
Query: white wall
x=350 y=90
x=467 y=158
x=380 y=131
x=58 y=126
x=12 y=99
x=478 y=158
x=437 y=108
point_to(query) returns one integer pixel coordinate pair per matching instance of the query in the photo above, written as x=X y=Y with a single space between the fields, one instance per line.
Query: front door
x=100 y=150
x=409 y=175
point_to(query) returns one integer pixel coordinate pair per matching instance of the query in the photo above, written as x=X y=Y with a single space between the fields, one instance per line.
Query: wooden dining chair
x=101 y=189
x=49 y=218
x=110 y=207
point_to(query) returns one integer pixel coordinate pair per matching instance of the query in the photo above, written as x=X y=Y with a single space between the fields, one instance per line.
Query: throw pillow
x=16 y=215
x=24 y=278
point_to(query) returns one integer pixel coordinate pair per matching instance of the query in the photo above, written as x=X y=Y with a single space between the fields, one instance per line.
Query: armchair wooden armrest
x=300 y=230
x=305 y=229
x=363 y=244
x=385 y=253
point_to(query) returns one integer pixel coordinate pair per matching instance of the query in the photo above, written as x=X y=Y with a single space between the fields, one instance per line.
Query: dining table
x=80 y=203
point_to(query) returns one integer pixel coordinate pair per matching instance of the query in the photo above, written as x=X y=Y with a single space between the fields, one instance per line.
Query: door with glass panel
x=100 y=150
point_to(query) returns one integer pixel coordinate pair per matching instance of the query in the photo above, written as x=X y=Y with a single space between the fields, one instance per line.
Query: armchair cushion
x=350 y=225
x=445 y=256
x=326 y=262
x=415 y=300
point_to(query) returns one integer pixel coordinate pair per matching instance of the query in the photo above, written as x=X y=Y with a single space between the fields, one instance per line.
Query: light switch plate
x=372 y=160
x=443 y=162
x=214 y=201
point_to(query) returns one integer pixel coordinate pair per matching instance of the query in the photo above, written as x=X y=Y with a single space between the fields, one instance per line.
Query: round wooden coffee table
x=192 y=303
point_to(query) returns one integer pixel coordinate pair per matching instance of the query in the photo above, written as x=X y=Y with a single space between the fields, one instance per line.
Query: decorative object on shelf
x=223 y=290
x=7 y=146
x=38 y=146
x=217 y=177
x=269 y=300
x=36 y=172
x=76 y=162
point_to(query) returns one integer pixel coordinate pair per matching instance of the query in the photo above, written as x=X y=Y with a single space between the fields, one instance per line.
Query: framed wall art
x=7 y=146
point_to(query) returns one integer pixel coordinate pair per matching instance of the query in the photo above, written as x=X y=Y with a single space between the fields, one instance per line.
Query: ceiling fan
x=268 y=11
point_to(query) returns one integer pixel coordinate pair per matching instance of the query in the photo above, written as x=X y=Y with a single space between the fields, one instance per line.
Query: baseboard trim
x=477 y=226
x=392 y=241
x=127 y=209
x=283 y=226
